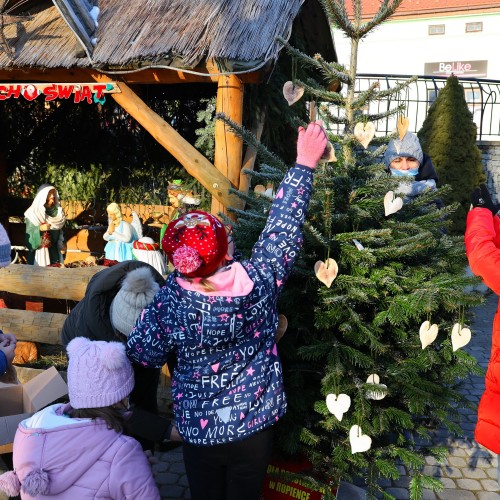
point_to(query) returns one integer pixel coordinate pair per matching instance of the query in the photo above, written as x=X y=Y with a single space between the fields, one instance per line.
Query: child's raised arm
x=281 y=239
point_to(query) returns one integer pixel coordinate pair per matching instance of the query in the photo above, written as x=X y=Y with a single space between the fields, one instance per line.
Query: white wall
x=402 y=47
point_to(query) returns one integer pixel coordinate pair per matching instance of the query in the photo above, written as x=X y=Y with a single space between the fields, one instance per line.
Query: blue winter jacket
x=228 y=382
x=3 y=363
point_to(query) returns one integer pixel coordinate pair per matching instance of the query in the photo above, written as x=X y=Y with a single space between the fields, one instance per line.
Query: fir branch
x=331 y=118
x=334 y=69
x=321 y=94
x=363 y=98
x=419 y=482
x=337 y=14
x=395 y=90
x=409 y=458
x=387 y=468
x=391 y=112
x=387 y=9
x=251 y=141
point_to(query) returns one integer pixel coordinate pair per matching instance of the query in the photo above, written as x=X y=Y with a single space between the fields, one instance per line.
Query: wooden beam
x=191 y=159
x=49 y=75
x=228 y=146
x=48 y=282
x=33 y=326
x=204 y=73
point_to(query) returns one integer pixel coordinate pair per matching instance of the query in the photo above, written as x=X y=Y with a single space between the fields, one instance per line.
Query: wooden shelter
x=229 y=43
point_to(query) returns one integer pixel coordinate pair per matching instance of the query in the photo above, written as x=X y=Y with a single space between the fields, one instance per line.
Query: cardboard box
x=19 y=401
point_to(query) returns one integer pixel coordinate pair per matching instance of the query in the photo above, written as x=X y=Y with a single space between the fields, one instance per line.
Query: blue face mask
x=404 y=173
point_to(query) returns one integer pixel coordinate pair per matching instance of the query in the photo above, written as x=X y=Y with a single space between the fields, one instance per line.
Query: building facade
x=431 y=38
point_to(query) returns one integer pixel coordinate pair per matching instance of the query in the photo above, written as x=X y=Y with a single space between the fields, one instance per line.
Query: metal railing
x=482 y=97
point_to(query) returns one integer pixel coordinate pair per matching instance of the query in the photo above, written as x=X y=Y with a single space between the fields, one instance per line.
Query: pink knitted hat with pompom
x=99 y=373
x=195 y=243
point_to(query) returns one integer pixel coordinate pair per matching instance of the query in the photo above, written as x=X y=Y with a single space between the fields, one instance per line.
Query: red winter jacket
x=482 y=244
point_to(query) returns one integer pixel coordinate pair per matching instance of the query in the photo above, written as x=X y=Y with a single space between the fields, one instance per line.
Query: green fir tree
x=395 y=272
x=448 y=136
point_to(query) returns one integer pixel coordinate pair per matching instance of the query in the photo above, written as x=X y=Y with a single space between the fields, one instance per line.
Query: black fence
x=482 y=97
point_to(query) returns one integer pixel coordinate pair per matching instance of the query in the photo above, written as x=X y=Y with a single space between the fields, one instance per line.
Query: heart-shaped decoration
x=359 y=442
x=327 y=271
x=259 y=189
x=459 y=336
x=329 y=154
x=392 y=204
x=364 y=132
x=378 y=394
x=403 y=124
x=338 y=405
x=292 y=93
x=282 y=326
x=30 y=92
x=428 y=333
x=269 y=192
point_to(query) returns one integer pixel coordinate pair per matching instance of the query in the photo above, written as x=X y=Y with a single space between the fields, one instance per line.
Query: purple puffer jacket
x=61 y=458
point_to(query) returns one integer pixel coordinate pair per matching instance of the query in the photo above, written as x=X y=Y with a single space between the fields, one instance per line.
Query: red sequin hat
x=195 y=243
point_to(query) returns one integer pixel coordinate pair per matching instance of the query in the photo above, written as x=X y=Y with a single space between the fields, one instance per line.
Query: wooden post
x=228 y=146
x=190 y=158
x=250 y=155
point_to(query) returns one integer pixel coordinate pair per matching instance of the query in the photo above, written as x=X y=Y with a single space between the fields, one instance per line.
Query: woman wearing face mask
x=404 y=158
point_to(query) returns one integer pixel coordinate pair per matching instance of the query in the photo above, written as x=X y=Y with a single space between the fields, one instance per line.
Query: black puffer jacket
x=90 y=317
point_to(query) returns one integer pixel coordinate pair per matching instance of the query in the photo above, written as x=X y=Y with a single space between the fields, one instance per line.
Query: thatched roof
x=239 y=34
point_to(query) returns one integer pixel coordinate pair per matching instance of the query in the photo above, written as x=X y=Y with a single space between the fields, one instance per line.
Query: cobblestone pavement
x=469 y=473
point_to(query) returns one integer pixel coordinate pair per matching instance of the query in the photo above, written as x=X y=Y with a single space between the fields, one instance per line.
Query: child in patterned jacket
x=220 y=318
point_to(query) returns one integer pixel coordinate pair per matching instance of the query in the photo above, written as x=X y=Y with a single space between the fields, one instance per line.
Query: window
x=473 y=27
x=436 y=29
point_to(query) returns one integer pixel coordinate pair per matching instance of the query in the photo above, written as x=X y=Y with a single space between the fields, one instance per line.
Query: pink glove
x=311 y=144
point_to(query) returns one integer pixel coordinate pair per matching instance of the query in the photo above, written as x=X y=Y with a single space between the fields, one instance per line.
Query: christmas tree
x=369 y=358
x=448 y=135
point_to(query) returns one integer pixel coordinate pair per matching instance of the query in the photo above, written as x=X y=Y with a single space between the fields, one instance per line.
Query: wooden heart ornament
x=338 y=405
x=381 y=390
x=329 y=154
x=392 y=204
x=364 y=132
x=292 y=93
x=460 y=337
x=267 y=191
x=327 y=271
x=428 y=333
x=403 y=124
x=359 y=442
x=282 y=326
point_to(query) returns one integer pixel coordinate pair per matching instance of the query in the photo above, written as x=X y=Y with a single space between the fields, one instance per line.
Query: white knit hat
x=4 y=248
x=137 y=291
